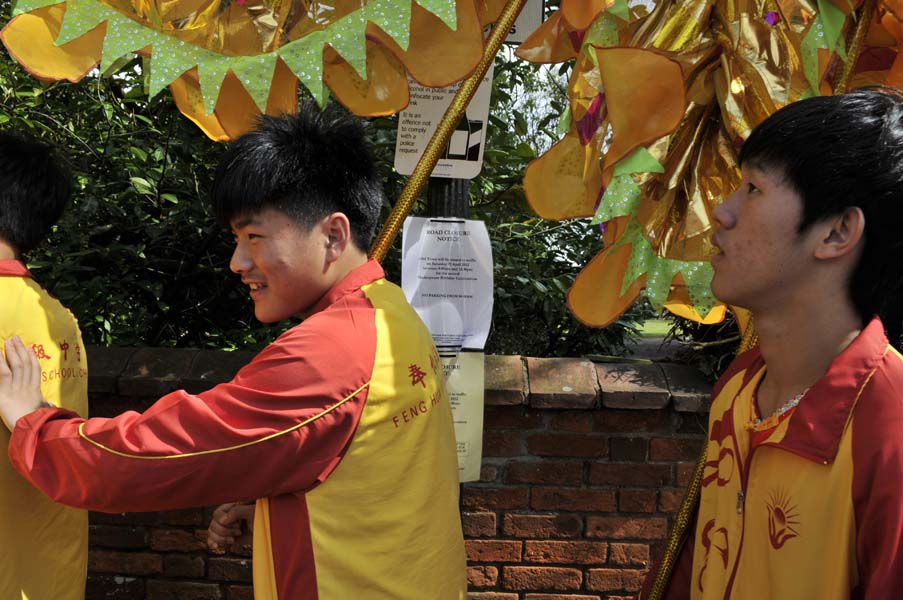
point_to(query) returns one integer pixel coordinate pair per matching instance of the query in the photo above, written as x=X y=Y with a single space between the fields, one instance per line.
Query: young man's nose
x=241 y=260
x=724 y=213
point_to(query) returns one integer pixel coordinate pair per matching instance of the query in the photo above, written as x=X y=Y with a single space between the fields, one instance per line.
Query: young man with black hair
x=802 y=491
x=43 y=545
x=351 y=499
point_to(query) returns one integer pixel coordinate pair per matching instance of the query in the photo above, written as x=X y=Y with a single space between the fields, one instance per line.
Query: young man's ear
x=338 y=235
x=842 y=234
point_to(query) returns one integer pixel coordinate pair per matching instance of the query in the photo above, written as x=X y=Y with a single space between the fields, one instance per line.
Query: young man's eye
x=751 y=188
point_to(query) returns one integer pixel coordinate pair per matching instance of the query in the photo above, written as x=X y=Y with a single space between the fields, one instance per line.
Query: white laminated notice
x=464 y=377
x=446 y=275
x=462 y=158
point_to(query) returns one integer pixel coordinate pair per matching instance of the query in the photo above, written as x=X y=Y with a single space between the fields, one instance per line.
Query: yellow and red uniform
x=43 y=545
x=340 y=429
x=813 y=508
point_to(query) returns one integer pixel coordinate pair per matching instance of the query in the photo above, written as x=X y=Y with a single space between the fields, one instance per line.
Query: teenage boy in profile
x=43 y=545
x=802 y=492
x=348 y=504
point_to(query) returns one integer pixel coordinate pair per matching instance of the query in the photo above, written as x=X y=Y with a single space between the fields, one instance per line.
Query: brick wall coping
x=541 y=383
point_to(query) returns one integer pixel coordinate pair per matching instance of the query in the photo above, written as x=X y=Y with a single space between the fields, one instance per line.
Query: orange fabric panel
x=30 y=40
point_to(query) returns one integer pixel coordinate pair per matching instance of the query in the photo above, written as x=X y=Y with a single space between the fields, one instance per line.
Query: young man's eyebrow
x=243 y=222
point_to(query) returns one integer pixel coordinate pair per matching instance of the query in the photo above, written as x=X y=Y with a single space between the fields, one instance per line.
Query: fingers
x=222 y=531
x=5 y=372
x=26 y=367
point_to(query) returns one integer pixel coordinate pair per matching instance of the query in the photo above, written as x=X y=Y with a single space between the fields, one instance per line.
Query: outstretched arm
x=283 y=422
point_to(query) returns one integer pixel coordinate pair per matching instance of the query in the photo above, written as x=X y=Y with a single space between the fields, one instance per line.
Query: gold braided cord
x=444 y=131
x=678 y=531
x=750 y=338
x=854 y=46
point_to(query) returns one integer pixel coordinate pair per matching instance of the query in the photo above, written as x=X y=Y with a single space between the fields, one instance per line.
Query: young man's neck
x=798 y=342
x=351 y=259
x=7 y=252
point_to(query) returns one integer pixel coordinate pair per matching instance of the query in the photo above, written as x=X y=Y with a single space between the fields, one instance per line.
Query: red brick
x=541 y=578
x=571 y=553
x=184 y=565
x=669 y=500
x=577 y=446
x=489 y=473
x=637 y=501
x=184 y=517
x=493 y=550
x=482 y=576
x=629 y=449
x=620 y=474
x=620 y=528
x=491 y=596
x=481 y=498
x=182 y=590
x=559 y=597
x=685 y=473
x=512 y=417
x=628 y=554
x=573 y=500
x=177 y=540
x=127 y=563
x=556 y=472
x=614 y=580
x=123 y=518
x=566 y=383
x=633 y=421
x=114 y=587
x=675 y=449
x=577 y=421
x=229 y=569
x=542 y=526
x=502 y=444
x=478 y=524
x=240 y=592
x=117 y=536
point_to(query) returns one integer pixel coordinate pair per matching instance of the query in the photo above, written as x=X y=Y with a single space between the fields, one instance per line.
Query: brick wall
x=584 y=467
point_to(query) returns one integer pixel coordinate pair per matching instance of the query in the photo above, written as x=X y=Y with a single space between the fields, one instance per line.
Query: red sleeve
x=281 y=425
x=878 y=483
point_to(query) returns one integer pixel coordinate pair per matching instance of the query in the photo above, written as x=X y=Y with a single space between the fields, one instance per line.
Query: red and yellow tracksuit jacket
x=815 y=509
x=43 y=545
x=340 y=429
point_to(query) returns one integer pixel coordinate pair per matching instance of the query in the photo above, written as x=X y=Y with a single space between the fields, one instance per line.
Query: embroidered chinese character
x=78 y=353
x=64 y=346
x=38 y=350
x=416 y=374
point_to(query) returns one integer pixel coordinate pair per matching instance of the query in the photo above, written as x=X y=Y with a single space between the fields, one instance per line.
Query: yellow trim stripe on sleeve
x=326 y=411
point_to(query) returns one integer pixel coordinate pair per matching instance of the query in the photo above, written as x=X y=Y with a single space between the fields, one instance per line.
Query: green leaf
x=520 y=123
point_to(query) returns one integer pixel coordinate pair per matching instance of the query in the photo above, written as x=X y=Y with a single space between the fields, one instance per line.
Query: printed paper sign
x=446 y=275
x=464 y=377
x=463 y=156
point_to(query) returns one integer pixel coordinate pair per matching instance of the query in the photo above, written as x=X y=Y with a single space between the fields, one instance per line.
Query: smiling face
x=763 y=260
x=285 y=267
